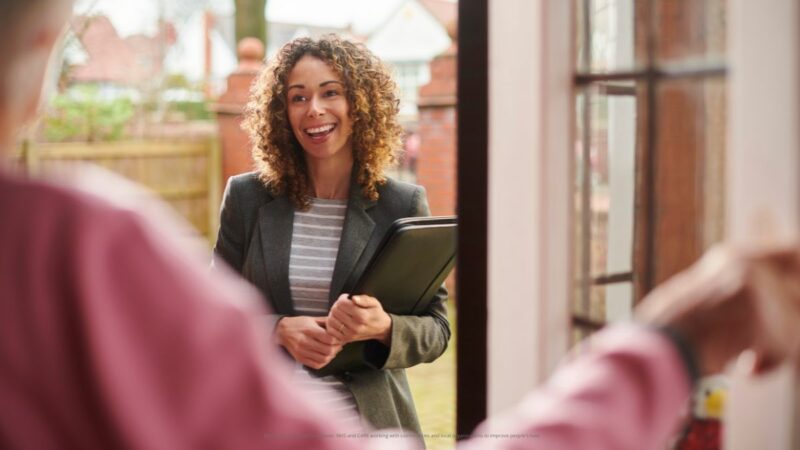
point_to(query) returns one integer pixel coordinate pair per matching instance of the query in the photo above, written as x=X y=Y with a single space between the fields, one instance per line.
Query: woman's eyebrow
x=325 y=83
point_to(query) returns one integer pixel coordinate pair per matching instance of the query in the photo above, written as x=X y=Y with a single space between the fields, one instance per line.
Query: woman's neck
x=330 y=179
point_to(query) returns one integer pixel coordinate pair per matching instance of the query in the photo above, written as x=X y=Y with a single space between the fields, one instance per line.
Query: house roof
x=395 y=42
x=114 y=59
x=445 y=11
x=283 y=32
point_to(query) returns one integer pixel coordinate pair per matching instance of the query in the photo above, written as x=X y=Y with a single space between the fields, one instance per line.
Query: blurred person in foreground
x=112 y=338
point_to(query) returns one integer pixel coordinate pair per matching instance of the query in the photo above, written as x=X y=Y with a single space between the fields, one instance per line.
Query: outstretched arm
x=628 y=390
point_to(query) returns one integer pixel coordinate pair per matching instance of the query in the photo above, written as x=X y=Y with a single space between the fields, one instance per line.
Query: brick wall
x=436 y=164
x=236 y=147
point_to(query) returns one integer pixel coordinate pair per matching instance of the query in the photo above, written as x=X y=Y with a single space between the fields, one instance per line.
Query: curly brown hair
x=373 y=107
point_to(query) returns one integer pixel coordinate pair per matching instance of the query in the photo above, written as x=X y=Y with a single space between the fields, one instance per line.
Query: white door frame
x=529 y=191
x=763 y=189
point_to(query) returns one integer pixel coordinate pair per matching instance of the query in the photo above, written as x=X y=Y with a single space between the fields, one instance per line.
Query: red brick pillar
x=436 y=164
x=236 y=157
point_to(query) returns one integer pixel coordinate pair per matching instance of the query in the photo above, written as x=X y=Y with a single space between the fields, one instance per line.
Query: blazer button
x=347 y=376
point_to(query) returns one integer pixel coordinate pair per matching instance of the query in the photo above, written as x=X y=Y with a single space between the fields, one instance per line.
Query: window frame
x=651 y=75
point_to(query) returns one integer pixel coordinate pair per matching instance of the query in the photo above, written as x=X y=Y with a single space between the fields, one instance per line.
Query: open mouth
x=320 y=132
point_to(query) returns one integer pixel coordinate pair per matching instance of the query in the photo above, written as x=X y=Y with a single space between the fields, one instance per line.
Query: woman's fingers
x=323 y=335
x=320 y=342
x=316 y=355
x=340 y=327
x=315 y=361
x=307 y=341
x=358 y=318
x=366 y=301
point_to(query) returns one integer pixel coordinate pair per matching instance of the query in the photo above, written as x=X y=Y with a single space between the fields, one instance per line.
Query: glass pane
x=689 y=184
x=581 y=272
x=579 y=335
x=611 y=302
x=606 y=175
x=605 y=154
x=610 y=45
x=691 y=31
x=618 y=302
x=608 y=304
x=580 y=37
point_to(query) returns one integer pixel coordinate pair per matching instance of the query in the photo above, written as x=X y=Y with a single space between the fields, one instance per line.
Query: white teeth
x=321 y=129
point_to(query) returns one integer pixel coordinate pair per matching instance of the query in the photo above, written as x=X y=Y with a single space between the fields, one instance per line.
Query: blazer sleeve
x=232 y=239
x=231 y=234
x=415 y=338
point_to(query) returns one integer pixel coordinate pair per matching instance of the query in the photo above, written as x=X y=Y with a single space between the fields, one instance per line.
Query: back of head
x=28 y=30
x=19 y=16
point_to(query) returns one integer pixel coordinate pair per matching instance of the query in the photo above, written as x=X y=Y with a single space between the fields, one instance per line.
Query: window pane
x=691 y=31
x=618 y=302
x=580 y=269
x=605 y=177
x=583 y=336
x=605 y=154
x=611 y=27
x=609 y=303
x=689 y=184
x=409 y=77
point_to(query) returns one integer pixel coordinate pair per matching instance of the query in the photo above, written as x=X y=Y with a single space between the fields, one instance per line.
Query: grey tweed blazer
x=255 y=239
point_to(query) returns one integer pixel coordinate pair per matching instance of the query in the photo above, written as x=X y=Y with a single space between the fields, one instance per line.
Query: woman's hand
x=358 y=319
x=305 y=338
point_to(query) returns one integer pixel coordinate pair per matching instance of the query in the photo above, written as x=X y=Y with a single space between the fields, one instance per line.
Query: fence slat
x=113 y=150
x=184 y=173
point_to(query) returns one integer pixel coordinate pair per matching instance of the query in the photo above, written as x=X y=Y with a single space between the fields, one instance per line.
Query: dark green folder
x=410 y=264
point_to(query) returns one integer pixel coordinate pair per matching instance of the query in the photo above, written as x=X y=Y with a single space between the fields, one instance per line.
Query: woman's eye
x=331 y=93
x=297 y=98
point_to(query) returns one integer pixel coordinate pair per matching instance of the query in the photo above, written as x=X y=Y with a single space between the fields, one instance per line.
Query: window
x=650 y=147
x=410 y=76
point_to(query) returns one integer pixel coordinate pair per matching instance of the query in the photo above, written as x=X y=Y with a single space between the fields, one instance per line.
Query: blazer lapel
x=358 y=227
x=275 y=222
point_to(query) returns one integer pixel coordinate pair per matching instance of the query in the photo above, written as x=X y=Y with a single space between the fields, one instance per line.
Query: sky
x=140 y=16
x=186 y=57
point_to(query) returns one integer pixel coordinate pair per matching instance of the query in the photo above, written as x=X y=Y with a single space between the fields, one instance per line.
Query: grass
x=434 y=389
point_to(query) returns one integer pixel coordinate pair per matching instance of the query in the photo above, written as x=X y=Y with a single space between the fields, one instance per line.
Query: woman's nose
x=315 y=107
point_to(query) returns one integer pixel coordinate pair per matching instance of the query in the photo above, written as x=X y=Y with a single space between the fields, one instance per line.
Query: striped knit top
x=315 y=244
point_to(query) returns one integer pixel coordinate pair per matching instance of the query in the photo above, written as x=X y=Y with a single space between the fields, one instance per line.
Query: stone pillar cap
x=251 y=54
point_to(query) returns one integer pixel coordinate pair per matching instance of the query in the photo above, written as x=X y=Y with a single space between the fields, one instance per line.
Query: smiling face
x=319 y=113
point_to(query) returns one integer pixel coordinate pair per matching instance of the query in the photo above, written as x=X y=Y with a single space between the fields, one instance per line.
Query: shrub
x=85 y=113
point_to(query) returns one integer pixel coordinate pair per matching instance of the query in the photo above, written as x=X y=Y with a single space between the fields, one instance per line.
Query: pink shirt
x=626 y=394
x=112 y=338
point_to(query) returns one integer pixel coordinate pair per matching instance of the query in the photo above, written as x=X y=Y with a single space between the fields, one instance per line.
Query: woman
x=323 y=120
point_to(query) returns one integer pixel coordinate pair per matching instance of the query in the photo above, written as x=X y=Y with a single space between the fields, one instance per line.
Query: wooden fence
x=186 y=173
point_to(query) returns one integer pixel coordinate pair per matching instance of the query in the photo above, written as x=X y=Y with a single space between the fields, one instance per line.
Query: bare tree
x=250 y=21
